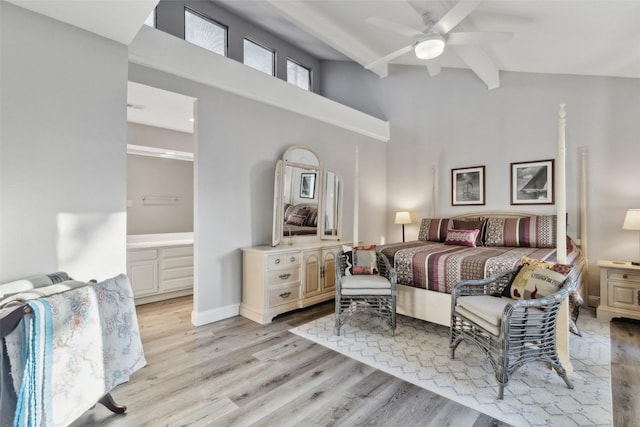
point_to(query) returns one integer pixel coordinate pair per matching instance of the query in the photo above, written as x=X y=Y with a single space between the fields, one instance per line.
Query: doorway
x=160 y=193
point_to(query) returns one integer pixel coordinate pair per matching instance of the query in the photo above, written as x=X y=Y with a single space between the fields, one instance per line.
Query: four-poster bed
x=435 y=306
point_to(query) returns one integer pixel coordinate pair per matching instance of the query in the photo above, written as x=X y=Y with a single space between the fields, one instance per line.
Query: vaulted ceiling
x=579 y=37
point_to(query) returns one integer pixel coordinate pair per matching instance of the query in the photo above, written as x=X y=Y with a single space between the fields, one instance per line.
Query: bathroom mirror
x=307 y=202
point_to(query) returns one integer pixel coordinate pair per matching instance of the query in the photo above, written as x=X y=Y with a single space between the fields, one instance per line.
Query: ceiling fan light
x=430 y=48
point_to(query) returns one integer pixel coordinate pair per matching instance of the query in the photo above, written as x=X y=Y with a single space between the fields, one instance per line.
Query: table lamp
x=404 y=218
x=632 y=222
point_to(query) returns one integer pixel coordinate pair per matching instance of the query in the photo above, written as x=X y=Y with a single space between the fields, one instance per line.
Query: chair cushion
x=484 y=310
x=365 y=285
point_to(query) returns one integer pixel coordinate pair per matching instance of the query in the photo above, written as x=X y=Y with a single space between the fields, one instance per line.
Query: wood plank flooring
x=238 y=373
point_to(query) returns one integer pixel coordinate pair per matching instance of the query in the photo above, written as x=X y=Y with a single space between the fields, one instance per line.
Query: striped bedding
x=437 y=267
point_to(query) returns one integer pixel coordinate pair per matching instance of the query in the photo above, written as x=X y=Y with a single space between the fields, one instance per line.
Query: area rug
x=535 y=395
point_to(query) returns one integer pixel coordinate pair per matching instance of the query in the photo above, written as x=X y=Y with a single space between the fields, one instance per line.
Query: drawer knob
x=277 y=261
x=292 y=259
x=285 y=276
x=624 y=276
x=285 y=295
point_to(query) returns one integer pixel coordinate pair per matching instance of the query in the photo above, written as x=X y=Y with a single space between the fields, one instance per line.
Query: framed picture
x=532 y=183
x=308 y=186
x=467 y=186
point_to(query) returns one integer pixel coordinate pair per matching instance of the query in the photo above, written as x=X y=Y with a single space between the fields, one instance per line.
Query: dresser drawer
x=283 y=260
x=622 y=276
x=281 y=277
x=284 y=295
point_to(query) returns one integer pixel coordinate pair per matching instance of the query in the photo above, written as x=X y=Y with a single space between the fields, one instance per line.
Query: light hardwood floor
x=237 y=372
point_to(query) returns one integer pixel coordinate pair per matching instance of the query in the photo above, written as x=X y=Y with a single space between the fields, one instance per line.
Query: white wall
x=453 y=121
x=62 y=149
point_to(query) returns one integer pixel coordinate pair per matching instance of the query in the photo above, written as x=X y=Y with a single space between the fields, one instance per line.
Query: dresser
x=619 y=290
x=279 y=279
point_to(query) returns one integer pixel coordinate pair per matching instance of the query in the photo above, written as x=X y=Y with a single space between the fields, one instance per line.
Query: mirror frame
x=278 y=198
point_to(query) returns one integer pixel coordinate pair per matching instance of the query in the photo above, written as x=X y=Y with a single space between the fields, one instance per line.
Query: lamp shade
x=631 y=220
x=430 y=48
x=403 y=218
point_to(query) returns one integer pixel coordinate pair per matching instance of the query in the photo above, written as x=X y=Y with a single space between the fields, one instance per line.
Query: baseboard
x=210 y=316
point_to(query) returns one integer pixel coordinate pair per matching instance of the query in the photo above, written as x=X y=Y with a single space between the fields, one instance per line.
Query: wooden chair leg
x=112 y=405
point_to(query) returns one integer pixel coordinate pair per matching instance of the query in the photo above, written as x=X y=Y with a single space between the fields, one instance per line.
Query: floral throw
x=96 y=346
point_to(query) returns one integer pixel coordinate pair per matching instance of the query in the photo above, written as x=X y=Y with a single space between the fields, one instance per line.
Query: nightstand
x=619 y=290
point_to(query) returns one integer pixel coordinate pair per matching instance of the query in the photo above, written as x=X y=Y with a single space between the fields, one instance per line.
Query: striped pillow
x=434 y=229
x=527 y=232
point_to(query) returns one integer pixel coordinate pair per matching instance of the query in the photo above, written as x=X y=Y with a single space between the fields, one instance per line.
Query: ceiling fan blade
x=480 y=63
x=456 y=14
x=433 y=66
x=394 y=27
x=389 y=57
x=478 y=38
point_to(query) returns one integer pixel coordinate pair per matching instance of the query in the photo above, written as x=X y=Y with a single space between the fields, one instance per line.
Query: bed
x=429 y=267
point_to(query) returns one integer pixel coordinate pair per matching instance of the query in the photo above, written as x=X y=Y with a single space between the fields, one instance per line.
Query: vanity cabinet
x=159 y=273
x=276 y=280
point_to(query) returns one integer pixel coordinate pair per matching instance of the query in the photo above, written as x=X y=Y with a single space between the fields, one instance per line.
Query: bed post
x=562 y=330
x=584 y=242
x=434 y=192
x=356 y=201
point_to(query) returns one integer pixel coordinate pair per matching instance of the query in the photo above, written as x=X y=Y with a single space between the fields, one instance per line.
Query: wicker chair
x=365 y=293
x=511 y=332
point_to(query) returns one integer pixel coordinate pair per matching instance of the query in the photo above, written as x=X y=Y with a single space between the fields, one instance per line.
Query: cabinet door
x=329 y=270
x=311 y=264
x=144 y=277
x=142 y=269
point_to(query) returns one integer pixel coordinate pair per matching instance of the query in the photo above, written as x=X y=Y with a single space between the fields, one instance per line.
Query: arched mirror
x=307 y=202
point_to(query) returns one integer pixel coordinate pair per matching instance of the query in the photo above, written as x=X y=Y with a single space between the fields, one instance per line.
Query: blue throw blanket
x=34 y=399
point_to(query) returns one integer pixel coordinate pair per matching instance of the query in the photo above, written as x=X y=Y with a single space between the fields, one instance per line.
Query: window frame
x=274 y=59
x=210 y=20
x=289 y=59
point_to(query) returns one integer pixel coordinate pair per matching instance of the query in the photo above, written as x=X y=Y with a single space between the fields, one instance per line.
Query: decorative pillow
x=535 y=283
x=475 y=224
x=295 y=219
x=297 y=210
x=364 y=260
x=312 y=218
x=462 y=237
x=348 y=253
x=434 y=229
x=563 y=269
x=528 y=232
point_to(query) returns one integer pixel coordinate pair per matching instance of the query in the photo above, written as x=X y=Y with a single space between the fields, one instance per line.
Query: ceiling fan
x=429 y=43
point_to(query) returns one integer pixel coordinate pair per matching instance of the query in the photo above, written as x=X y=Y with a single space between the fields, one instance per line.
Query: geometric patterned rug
x=535 y=395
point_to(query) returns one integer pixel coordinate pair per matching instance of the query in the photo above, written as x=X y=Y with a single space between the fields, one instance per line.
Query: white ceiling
x=583 y=37
x=157 y=107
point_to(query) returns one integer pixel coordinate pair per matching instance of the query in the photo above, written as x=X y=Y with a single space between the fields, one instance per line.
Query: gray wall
x=156 y=176
x=62 y=149
x=151 y=136
x=170 y=18
x=236 y=150
x=453 y=121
